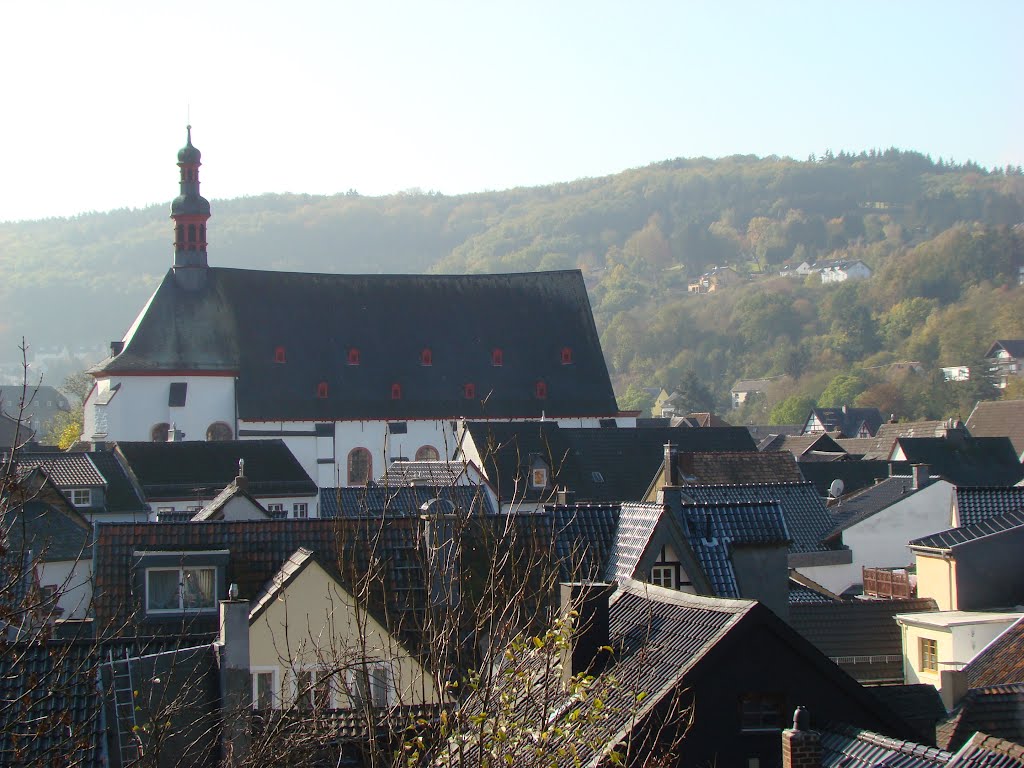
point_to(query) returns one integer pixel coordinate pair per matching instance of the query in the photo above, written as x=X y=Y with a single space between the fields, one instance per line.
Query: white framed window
x=372 y=684
x=265 y=690
x=664 y=576
x=81 y=497
x=300 y=510
x=539 y=477
x=276 y=510
x=181 y=590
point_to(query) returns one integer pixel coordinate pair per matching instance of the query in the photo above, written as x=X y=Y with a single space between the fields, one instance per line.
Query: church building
x=351 y=371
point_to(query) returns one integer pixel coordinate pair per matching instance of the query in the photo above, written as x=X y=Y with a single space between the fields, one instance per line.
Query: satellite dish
x=836 y=489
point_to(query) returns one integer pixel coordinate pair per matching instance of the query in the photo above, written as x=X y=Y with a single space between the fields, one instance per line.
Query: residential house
x=853 y=476
x=1004 y=358
x=841 y=271
x=529 y=463
x=726 y=674
x=722 y=468
x=13 y=433
x=744 y=388
x=962 y=459
x=178 y=479
x=997 y=418
x=715 y=279
x=976 y=504
x=35 y=407
x=847 y=421
x=813 y=447
x=880 y=445
x=956 y=373
x=344 y=380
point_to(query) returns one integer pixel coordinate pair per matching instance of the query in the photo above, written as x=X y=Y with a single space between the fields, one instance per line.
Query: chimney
x=670 y=476
x=175 y=435
x=241 y=482
x=952 y=687
x=565 y=496
x=588 y=652
x=801 y=747
x=443 y=554
x=116 y=347
x=235 y=682
x=921 y=475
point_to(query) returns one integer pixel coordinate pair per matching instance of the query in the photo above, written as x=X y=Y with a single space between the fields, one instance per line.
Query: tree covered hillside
x=940 y=237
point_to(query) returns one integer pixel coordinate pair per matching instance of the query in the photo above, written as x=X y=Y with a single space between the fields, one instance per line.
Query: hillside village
x=404 y=519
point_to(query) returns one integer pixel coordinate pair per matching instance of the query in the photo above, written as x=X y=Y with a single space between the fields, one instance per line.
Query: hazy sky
x=321 y=97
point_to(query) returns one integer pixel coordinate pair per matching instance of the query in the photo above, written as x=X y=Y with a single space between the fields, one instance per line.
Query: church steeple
x=190 y=212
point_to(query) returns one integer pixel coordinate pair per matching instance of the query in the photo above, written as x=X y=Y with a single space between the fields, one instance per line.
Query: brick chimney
x=921 y=474
x=235 y=682
x=590 y=631
x=801 y=747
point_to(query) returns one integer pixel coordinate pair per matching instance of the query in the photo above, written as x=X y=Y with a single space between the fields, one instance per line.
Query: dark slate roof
x=919 y=704
x=847 y=421
x=856 y=475
x=730 y=467
x=50 y=713
x=586 y=538
x=994 y=418
x=807 y=520
x=984 y=751
x=532 y=317
x=195 y=467
x=965 y=460
x=713 y=529
x=946 y=540
x=881 y=443
x=120 y=495
x=996 y=710
x=865 y=503
x=50 y=533
x=258 y=548
x=1015 y=347
x=806 y=447
x=977 y=504
x=851 y=632
x=1000 y=662
x=843 y=746
x=602 y=465
x=805 y=590
x=376 y=500
x=11 y=430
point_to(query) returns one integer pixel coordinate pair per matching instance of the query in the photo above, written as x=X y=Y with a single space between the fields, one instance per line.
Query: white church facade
x=351 y=371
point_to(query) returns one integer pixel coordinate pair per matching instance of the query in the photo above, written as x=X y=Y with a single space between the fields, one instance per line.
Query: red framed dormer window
x=396 y=391
x=426 y=356
x=566 y=355
x=279 y=355
x=497 y=357
x=469 y=390
x=353 y=356
x=321 y=390
x=540 y=390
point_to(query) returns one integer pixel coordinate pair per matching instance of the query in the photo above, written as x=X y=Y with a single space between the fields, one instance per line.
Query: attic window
x=353 y=356
x=427 y=453
x=597 y=477
x=469 y=391
x=396 y=391
x=497 y=357
x=426 y=357
x=81 y=497
x=177 y=394
x=761 y=712
x=566 y=355
x=540 y=390
x=177 y=590
x=279 y=356
x=321 y=390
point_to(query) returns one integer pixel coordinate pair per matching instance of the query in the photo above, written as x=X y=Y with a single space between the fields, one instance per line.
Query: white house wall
x=141 y=403
x=880 y=541
x=73 y=581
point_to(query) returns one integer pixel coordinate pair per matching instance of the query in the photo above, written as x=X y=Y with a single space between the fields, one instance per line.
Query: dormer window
x=497 y=357
x=396 y=391
x=321 y=390
x=469 y=391
x=539 y=477
x=566 y=355
x=426 y=357
x=279 y=356
x=353 y=356
x=540 y=390
x=81 y=497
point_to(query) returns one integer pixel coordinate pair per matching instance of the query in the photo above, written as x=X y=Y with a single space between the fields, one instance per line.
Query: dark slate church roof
x=246 y=321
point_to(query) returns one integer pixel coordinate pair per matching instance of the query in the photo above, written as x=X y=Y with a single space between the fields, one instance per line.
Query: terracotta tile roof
x=882 y=442
x=995 y=418
x=67 y=470
x=730 y=467
x=1000 y=662
x=995 y=710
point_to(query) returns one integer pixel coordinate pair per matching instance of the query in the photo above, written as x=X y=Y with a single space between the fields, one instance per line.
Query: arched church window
x=427 y=453
x=218 y=432
x=360 y=466
x=159 y=432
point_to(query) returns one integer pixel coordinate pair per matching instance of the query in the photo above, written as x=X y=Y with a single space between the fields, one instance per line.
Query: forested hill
x=940 y=238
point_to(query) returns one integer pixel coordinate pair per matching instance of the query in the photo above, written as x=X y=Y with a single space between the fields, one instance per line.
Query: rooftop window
x=497 y=357
x=353 y=356
x=426 y=357
x=279 y=356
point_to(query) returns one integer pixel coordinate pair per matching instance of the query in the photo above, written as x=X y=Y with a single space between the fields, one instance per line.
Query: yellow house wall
x=315 y=622
x=936 y=578
x=912 y=654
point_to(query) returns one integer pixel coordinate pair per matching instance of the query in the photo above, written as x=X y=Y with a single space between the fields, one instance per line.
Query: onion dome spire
x=190 y=212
